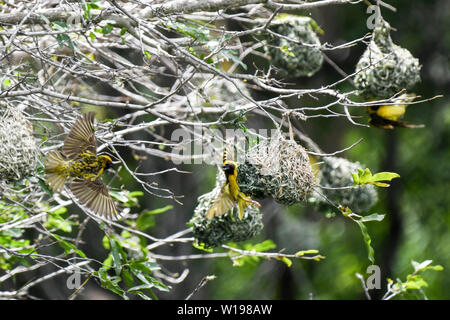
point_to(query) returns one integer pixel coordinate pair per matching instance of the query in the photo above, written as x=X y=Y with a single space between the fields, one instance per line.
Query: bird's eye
x=228 y=168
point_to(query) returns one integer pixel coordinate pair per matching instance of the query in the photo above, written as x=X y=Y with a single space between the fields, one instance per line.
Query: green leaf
x=372 y=217
x=386 y=176
x=127 y=278
x=285 y=49
x=146 y=266
x=127 y=198
x=119 y=196
x=87 y=6
x=355 y=177
x=419 y=266
x=64 y=39
x=201 y=246
x=415 y=282
x=67 y=246
x=159 y=210
x=136 y=194
x=148 y=55
x=115 y=255
x=59 y=25
x=426 y=265
x=146 y=219
x=107 y=28
x=435 y=268
x=61 y=210
x=6 y=83
x=108 y=262
x=230 y=54
x=190 y=30
x=14 y=232
x=316 y=27
x=44 y=187
x=286 y=260
x=303 y=252
x=59 y=223
x=109 y=284
x=141 y=286
x=366 y=177
x=367 y=241
x=105 y=242
x=143 y=296
x=149 y=281
x=261 y=247
x=258 y=247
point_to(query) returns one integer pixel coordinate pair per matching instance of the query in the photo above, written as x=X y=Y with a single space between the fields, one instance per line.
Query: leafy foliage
x=414 y=284
x=366 y=177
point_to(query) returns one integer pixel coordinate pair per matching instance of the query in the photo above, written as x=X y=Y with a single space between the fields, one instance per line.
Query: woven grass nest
x=293 y=59
x=385 y=68
x=335 y=173
x=18 y=153
x=225 y=228
x=278 y=168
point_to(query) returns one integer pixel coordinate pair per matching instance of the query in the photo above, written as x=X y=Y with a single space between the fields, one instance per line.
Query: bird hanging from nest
x=388 y=116
x=230 y=193
x=79 y=161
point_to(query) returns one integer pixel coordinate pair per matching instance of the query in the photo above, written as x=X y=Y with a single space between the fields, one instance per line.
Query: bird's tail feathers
x=54 y=171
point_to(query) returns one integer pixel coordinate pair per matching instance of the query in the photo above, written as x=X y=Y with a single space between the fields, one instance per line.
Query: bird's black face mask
x=228 y=168
x=108 y=165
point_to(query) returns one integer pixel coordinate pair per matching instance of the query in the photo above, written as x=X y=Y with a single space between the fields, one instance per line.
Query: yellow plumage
x=230 y=194
x=80 y=162
x=388 y=116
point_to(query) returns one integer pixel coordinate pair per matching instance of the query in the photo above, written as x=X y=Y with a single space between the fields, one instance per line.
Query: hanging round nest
x=227 y=227
x=337 y=173
x=303 y=58
x=18 y=153
x=277 y=168
x=385 y=68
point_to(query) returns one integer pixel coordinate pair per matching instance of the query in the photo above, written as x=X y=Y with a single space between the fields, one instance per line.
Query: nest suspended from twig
x=337 y=173
x=19 y=153
x=277 y=168
x=385 y=68
x=295 y=59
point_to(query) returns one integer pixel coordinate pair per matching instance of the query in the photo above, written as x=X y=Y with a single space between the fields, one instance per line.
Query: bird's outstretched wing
x=81 y=137
x=228 y=153
x=222 y=204
x=94 y=196
x=245 y=201
x=382 y=123
x=55 y=170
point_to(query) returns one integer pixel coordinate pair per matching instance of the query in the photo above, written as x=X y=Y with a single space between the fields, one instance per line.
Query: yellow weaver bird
x=79 y=161
x=230 y=193
x=388 y=116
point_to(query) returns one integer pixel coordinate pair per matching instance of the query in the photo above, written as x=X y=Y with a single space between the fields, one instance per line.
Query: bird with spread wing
x=80 y=162
x=230 y=193
x=388 y=116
